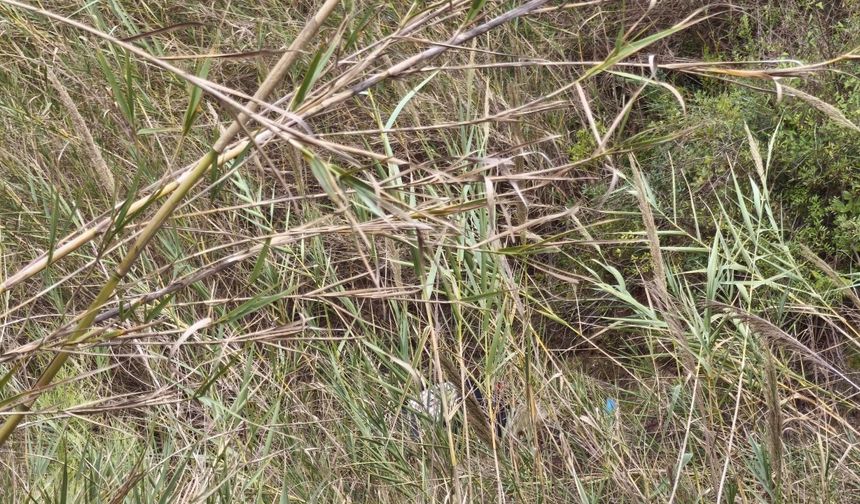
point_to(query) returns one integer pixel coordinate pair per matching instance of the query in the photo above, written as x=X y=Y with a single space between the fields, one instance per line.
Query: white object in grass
x=432 y=403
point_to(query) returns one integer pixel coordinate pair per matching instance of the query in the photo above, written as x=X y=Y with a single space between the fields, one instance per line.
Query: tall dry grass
x=237 y=240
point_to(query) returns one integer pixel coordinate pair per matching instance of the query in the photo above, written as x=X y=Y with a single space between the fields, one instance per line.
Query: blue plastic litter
x=611 y=406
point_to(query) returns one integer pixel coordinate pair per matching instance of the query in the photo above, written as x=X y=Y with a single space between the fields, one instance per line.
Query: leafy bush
x=815 y=165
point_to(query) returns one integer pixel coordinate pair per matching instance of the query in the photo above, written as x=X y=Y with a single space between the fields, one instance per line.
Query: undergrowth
x=632 y=225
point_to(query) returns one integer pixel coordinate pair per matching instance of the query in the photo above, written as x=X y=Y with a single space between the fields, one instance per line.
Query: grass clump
x=233 y=262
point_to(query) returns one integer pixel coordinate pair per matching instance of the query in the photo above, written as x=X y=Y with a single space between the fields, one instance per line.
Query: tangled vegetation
x=244 y=244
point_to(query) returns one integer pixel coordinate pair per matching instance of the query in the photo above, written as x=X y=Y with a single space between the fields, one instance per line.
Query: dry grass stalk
x=100 y=167
x=203 y=165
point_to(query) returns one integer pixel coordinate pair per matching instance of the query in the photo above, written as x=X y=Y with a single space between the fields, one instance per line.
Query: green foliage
x=814 y=171
x=583 y=147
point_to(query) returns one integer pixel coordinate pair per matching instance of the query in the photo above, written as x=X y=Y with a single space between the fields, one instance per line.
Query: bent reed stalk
x=180 y=187
x=166 y=209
